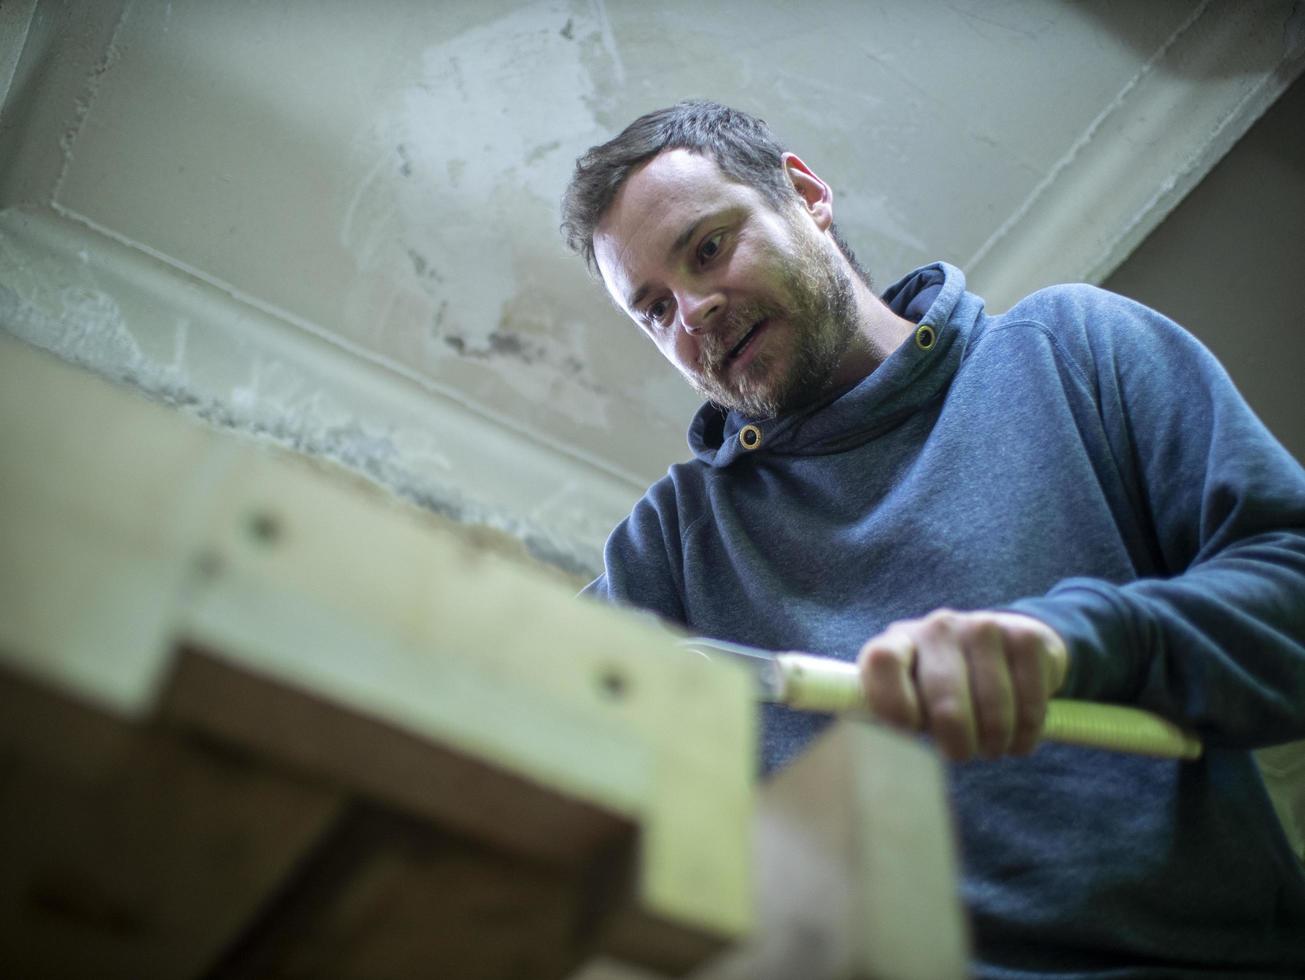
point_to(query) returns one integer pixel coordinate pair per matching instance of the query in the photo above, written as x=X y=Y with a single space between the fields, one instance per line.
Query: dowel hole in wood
x=613 y=684
x=265 y=528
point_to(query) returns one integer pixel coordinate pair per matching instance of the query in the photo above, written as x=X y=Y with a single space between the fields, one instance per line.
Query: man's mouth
x=738 y=348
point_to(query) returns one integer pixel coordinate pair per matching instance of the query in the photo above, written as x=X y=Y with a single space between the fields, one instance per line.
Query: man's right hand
x=977 y=682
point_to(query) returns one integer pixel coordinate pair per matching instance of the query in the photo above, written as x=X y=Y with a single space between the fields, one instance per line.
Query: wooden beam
x=346 y=637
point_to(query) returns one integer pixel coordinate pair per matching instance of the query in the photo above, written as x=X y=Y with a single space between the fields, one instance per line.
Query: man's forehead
x=680 y=177
x=656 y=204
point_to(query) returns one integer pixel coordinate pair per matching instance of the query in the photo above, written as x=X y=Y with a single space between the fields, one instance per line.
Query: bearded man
x=1069 y=498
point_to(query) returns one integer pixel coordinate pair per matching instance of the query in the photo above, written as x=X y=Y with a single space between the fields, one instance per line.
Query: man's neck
x=879 y=332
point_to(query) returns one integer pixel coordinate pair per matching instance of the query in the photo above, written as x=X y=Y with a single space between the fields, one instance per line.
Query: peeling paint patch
x=433 y=277
x=497 y=73
x=501 y=344
x=423 y=267
x=508 y=345
x=511 y=345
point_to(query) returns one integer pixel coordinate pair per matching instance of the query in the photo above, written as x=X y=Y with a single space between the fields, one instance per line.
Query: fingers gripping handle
x=831 y=686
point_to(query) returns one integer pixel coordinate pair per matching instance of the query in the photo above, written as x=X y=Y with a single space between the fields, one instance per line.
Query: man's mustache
x=717 y=345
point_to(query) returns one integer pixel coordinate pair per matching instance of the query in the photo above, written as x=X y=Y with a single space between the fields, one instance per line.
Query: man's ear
x=816 y=196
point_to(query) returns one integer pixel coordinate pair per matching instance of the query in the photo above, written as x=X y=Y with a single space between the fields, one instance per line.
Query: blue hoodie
x=1083 y=460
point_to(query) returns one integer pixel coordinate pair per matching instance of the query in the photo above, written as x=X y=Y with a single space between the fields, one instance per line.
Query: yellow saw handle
x=810 y=683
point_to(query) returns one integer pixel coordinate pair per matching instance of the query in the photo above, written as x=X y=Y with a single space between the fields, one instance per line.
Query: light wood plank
x=293 y=575
x=856 y=867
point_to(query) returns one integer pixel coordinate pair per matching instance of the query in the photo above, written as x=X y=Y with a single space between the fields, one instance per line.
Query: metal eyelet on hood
x=750 y=437
x=925 y=336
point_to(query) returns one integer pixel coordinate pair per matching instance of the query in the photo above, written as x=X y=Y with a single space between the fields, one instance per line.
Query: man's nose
x=699 y=310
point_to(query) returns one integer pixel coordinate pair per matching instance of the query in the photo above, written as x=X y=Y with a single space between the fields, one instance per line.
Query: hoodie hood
x=914 y=375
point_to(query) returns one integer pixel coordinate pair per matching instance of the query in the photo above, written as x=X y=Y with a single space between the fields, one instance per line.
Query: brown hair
x=741 y=145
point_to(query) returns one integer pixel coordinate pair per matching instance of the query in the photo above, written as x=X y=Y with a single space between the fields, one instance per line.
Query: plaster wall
x=1227 y=264
x=334 y=225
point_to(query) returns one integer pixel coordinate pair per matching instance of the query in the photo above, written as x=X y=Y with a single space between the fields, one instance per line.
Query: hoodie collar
x=914 y=375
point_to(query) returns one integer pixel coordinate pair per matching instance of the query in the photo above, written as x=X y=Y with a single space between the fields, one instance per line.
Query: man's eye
x=657 y=310
x=709 y=248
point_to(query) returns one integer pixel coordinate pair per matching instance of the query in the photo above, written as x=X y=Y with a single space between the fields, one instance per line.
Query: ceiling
x=334 y=225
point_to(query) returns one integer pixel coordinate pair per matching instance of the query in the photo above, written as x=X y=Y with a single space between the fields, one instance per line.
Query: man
x=984 y=511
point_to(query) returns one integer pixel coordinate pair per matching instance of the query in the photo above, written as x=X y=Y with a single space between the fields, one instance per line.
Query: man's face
x=747 y=301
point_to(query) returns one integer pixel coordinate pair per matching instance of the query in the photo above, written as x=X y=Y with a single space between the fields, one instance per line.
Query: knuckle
x=1026 y=638
x=942 y=615
x=939 y=626
x=878 y=654
x=1029 y=635
x=948 y=713
x=982 y=635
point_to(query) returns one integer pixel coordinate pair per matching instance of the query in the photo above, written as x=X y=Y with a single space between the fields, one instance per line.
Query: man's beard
x=820 y=316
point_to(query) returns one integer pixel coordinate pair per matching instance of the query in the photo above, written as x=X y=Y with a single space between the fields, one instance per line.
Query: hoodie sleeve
x=643 y=562
x=1217 y=641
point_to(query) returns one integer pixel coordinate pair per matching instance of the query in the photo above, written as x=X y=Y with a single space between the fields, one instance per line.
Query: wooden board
x=1283 y=767
x=855 y=870
x=167 y=574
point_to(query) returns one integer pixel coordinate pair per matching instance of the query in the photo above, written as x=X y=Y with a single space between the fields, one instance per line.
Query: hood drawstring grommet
x=925 y=336
x=750 y=437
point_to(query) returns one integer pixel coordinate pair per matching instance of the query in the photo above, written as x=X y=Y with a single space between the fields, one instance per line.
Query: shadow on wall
x=1122 y=21
x=1226 y=264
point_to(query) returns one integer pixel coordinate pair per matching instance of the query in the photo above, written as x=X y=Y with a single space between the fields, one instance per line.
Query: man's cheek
x=684 y=354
